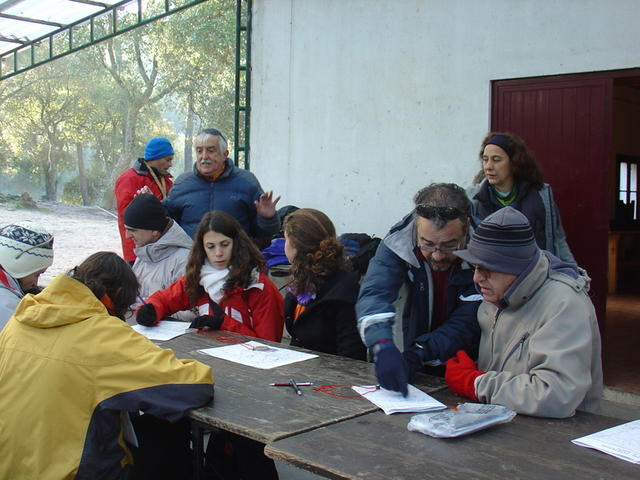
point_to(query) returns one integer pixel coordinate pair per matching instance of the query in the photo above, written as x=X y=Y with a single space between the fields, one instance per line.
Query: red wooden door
x=567 y=122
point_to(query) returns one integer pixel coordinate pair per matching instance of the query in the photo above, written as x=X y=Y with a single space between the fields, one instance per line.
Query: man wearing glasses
x=439 y=316
x=540 y=345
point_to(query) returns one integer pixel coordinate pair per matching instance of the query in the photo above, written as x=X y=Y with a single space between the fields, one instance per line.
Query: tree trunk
x=50 y=173
x=188 y=136
x=82 y=178
x=126 y=160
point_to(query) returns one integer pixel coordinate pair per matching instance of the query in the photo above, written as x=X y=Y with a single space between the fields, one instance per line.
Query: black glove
x=213 y=322
x=391 y=368
x=413 y=359
x=147 y=315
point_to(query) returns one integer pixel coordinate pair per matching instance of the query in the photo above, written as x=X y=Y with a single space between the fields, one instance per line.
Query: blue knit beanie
x=157 y=148
x=503 y=242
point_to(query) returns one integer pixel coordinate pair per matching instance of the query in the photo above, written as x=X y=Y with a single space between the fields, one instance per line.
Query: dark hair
x=319 y=254
x=443 y=195
x=245 y=256
x=524 y=166
x=107 y=273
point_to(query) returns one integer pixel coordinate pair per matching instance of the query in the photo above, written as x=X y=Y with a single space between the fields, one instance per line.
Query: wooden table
x=378 y=446
x=245 y=404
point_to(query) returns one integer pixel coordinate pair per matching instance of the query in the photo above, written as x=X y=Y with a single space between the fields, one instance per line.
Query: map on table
x=257 y=355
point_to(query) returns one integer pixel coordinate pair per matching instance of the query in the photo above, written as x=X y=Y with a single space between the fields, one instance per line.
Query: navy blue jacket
x=396 y=263
x=234 y=192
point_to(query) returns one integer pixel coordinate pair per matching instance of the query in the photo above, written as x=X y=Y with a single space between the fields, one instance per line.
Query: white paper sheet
x=257 y=355
x=622 y=441
x=165 y=330
x=393 y=402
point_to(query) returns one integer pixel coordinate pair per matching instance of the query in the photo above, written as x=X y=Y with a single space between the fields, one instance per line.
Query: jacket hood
x=401 y=240
x=63 y=302
x=174 y=237
x=530 y=281
x=343 y=286
x=141 y=169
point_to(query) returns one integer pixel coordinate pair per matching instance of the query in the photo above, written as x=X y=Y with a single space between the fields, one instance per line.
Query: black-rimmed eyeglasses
x=433 y=248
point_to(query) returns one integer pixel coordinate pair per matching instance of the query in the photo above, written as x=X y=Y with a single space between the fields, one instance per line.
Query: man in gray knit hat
x=540 y=346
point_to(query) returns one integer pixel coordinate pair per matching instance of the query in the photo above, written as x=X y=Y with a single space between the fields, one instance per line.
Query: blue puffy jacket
x=234 y=192
x=396 y=263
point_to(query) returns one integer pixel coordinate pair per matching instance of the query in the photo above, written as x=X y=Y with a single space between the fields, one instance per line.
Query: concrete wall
x=356 y=104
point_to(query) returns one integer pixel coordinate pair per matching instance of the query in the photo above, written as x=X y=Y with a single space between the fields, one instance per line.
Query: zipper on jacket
x=519 y=347
x=493 y=329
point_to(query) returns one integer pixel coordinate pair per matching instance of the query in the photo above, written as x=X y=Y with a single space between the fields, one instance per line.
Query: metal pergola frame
x=62 y=41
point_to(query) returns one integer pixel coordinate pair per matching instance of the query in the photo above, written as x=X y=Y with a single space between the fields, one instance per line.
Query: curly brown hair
x=523 y=164
x=318 y=252
x=245 y=256
x=107 y=273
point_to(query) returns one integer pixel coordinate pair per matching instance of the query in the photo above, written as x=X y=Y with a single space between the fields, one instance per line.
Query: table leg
x=197 y=440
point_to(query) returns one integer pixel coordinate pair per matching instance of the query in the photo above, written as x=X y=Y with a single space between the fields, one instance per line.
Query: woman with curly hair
x=511 y=176
x=224 y=282
x=319 y=307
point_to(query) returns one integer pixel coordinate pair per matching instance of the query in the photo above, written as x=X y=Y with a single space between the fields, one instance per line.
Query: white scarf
x=212 y=280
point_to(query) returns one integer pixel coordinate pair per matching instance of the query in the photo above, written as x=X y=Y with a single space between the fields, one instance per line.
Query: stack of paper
x=258 y=355
x=622 y=441
x=165 y=330
x=393 y=402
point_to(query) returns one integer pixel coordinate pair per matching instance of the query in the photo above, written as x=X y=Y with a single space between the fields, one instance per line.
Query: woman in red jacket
x=224 y=282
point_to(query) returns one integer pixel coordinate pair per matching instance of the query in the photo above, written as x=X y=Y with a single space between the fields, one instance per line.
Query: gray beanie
x=503 y=242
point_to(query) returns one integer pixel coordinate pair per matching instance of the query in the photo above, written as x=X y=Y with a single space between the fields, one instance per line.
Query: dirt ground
x=77 y=231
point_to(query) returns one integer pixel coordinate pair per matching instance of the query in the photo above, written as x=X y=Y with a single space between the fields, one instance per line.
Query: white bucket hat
x=25 y=248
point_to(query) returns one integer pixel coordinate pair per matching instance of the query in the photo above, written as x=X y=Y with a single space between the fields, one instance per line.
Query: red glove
x=460 y=375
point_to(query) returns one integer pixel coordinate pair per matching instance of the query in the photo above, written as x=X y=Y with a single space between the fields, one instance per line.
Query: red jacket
x=125 y=189
x=257 y=311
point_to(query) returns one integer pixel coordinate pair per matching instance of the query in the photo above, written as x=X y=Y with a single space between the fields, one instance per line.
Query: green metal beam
x=23 y=58
x=243 y=82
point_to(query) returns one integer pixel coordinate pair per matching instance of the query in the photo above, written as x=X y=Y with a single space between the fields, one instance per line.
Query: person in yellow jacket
x=70 y=371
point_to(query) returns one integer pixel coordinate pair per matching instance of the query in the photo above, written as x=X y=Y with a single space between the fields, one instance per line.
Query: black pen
x=300 y=384
x=293 y=383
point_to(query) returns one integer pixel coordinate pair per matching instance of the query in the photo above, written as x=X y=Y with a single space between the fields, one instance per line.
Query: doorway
x=583 y=128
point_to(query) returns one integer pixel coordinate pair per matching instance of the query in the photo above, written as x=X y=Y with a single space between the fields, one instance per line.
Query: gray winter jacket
x=162 y=262
x=10 y=296
x=541 y=350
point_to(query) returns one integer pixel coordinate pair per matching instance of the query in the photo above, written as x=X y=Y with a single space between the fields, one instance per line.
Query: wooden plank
x=245 y=404
x=377 y=446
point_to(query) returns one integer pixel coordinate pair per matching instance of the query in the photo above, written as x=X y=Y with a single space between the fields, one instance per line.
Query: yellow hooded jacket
x=67 y=372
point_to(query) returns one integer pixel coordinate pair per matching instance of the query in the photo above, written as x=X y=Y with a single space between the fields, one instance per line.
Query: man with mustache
x=217 y=184
x=439 y=316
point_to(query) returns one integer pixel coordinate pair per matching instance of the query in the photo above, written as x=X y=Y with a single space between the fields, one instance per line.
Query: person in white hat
x=26 y=251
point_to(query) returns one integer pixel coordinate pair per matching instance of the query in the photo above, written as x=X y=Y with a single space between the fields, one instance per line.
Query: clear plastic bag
x=466 y=418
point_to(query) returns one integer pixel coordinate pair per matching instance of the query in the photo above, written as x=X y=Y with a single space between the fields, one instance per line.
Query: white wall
x=356 y=104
